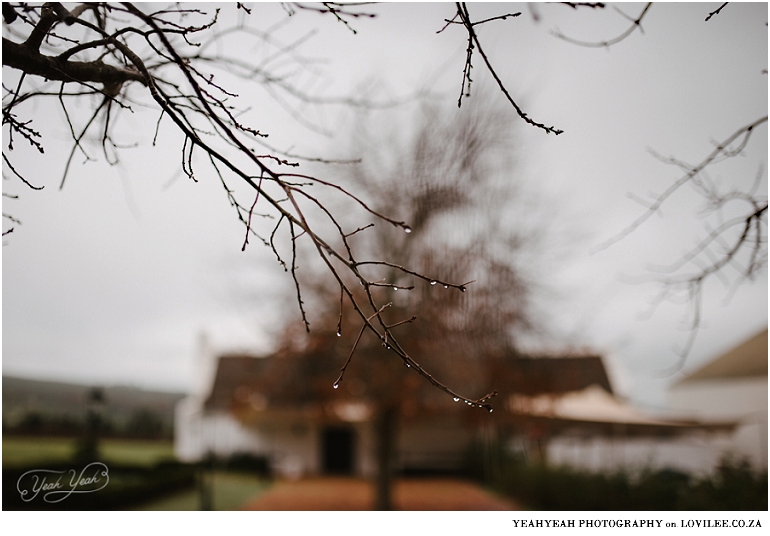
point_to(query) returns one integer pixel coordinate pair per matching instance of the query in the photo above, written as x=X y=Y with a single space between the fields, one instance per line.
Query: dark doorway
x=337 y=453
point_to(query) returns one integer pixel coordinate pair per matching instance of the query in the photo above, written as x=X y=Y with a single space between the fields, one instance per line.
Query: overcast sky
x=113 y=278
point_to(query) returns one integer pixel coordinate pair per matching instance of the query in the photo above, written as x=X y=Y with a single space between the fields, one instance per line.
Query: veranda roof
x=593 y=411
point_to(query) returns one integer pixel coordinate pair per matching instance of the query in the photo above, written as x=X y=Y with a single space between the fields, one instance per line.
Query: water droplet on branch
x=336 y=384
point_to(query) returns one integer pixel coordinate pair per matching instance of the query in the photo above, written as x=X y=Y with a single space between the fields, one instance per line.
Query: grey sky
x=111 y=279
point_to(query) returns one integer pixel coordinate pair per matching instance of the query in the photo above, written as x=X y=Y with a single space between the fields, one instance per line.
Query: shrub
x=734 y=486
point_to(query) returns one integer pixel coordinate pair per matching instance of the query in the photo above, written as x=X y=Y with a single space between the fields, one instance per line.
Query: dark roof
x=233 y=370
x=554 y=375
x=306 y=380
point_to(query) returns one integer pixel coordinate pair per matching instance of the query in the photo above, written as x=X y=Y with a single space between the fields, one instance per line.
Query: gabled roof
x=233 y=370
x=548 y=375
x=595 y=411
x=746 y=360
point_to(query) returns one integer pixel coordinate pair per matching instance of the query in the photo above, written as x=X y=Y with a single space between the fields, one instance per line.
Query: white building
x=557 y=409
x=731 y=387
x=725 y=402
x=300 y=433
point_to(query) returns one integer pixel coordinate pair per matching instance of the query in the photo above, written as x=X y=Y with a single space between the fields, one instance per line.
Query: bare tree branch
x=723 y=149
x=592 y=5
x=720 y=247
x=157 y=51
x=636 y=24
x=716 y=11
x=475 y=44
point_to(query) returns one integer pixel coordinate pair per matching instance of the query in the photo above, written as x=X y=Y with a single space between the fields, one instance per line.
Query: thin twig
x=716 y=11
x=636 y=24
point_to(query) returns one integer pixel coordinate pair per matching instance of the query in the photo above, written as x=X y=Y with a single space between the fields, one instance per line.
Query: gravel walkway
x=422 y=494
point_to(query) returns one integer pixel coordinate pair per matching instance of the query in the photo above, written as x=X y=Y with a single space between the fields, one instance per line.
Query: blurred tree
x=87 y=448
x=456 y=183
x=32 y=422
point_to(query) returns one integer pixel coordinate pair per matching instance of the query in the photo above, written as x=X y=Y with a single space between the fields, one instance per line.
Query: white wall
x=741 y=398
x=708 y=400
x=196 y=433
x=698 y=453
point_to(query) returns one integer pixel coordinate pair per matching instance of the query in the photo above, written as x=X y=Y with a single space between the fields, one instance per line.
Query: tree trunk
x=385 y=425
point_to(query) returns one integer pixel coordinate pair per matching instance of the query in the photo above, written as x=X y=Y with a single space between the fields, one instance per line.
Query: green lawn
x=26 y=451
x=231 y=492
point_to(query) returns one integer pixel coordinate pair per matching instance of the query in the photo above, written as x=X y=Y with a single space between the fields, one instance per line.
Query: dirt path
x=358 y=494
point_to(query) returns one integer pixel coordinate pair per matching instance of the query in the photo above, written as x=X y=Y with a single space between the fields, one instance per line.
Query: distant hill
x=59 y=408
